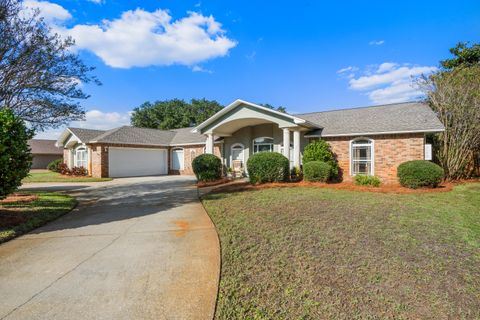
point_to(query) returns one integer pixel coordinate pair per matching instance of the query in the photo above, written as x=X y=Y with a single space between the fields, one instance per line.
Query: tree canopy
x=269 y=106
x=174 y=114
x=40 y=76
x=464 y=55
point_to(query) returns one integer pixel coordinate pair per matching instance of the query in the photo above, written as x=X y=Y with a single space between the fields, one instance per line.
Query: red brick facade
x=389 y=152
x=189 y=153
x=98 y=157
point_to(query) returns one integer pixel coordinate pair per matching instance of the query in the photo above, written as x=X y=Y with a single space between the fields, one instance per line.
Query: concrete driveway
x=135 y=248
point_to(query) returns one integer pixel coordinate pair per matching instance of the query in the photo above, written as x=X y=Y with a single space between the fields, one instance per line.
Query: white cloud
x=97 y=1
x=94 y=119
x=376 y=42
x=388 y=82
x=51 y=12
x=197 y=68
x=141 y=38
x=394 y=74
x=347 y=69
x=386 y=66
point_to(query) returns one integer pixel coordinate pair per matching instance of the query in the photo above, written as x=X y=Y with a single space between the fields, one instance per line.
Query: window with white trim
x=81 y=157
x=362 y=157
x=263 y=144
x=237 y=152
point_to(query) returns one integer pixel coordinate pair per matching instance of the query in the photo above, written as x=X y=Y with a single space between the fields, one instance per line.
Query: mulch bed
x=203 y=184
x=387 y=188
x=19 y=197
x=13 y=216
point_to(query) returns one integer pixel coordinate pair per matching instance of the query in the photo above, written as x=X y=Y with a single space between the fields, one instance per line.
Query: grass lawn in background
x=50 y=176
x=29 y=210
x=317 y=253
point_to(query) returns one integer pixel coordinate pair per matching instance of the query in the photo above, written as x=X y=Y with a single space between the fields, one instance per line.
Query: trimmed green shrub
x=317 y=171
x=319 y=150
x=15 y=157
x=207 y=167
x=419 y=173
x=362 y=180
x=268 y=167
x=54 y=165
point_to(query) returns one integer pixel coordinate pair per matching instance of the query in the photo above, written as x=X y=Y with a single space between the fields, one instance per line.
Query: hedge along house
x=369 y=140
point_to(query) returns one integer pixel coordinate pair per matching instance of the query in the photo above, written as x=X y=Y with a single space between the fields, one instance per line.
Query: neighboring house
x=370 y=140
x=44 y=152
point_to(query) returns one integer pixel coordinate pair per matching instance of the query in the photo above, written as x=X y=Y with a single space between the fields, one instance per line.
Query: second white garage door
x=132 y=162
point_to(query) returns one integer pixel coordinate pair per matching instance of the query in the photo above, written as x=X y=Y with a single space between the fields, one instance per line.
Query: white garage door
x=132 y=162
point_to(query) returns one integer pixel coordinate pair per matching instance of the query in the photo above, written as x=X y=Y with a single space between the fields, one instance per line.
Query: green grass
x=20 y=217
x=311 y=253
x=50 y=176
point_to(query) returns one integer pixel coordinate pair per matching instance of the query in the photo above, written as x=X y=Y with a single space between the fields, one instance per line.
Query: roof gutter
x=372 y=133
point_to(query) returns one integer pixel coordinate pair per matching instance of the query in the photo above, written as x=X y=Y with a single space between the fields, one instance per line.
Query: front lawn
x=30 y=211
x=50 y=176
x=316 y=253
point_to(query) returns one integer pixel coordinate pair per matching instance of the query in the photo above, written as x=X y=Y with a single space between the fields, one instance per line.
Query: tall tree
x=173 y=114
x=40 y=77
x=455 y=97
x=464 y=56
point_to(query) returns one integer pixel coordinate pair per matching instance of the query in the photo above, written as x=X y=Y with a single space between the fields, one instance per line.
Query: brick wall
x=189 y=153
x=389 y=152
x=99 y=161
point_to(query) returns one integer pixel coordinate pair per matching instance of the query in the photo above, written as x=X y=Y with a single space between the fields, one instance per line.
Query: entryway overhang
x=242 y=114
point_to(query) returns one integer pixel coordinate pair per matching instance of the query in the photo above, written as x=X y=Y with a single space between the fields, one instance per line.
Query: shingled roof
x=392 y=118
x=85 y=135
x=139 y=136
x=44 y=146
x=384 y=119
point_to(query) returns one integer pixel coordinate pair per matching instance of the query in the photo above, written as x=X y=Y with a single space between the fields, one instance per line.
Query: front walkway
x=135 y=248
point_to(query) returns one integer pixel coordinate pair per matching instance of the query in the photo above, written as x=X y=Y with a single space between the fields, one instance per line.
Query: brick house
x=43 y=152
x=369 y=140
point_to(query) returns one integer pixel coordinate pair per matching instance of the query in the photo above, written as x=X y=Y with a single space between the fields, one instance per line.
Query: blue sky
x=304 y=55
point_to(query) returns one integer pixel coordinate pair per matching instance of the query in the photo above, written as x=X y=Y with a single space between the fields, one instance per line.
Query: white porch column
x=286 y=143
x=296 y=148
x=209 y=144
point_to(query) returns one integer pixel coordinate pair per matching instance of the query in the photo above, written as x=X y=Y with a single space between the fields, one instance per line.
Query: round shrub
x=419 y=173
x=54 y=165
x=317 y=171
x=15 y=157
x=207 y=167
x=319 y=150
x=268 y=167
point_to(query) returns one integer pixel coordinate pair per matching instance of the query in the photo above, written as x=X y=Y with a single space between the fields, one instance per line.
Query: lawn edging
x=219 y=278
x=44 y=208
